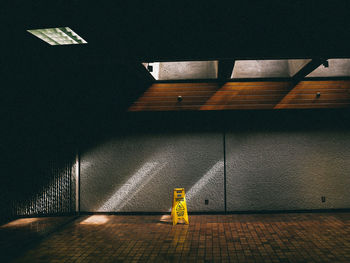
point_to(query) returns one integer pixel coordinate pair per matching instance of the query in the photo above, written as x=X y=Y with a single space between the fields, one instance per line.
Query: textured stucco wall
x=295 y=65
x=268 y=68
x=43 y=184
x=188 y=70
x=265 y=171
x=260 y=69
x=287 y=170
x=337 y=68
x=137 y=173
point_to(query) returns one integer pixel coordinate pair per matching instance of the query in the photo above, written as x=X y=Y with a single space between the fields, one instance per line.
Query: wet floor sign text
x=179 y=208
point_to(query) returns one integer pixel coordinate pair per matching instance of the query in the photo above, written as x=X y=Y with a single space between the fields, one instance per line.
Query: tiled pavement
x=22 y=233
x=304 y=237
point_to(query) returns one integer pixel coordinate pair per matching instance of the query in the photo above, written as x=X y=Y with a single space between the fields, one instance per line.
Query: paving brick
x=303 y=237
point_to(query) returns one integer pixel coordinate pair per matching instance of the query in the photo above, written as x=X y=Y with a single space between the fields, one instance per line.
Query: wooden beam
x=306 y=70
x=225 y=68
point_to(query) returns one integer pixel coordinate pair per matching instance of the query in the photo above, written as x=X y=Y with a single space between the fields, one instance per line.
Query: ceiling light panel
x=58 y=36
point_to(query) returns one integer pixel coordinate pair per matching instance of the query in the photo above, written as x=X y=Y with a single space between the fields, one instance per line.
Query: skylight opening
x=336 y=68
x=281 y=68
x=288 y=69
x=58 y=36
x=183 y=70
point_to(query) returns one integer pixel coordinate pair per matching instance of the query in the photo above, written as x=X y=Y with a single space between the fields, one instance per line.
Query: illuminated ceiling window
x=58 y=36
x=283 y=68
x=183 y=70
x=336 y=68
x=248 y=69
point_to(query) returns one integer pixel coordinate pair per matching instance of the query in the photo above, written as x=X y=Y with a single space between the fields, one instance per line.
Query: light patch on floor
x=95 y=220
x=166 y=218
x=21 y=222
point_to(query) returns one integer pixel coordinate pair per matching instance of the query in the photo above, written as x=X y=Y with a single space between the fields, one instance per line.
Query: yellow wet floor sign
x=179 y=208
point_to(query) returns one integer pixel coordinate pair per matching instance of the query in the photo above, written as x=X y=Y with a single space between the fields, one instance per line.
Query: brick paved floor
x=21 y=233
x=314 y=237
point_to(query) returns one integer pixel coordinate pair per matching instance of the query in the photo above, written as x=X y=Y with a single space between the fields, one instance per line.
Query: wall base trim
x=45 y=215
x=333 y=210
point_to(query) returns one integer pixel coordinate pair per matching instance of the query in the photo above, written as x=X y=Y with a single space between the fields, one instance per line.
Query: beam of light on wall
x=132 y=186
x=58 y=36
x=95 y=220
x=85 y=165
x=52 y=196
x=48 y=192
x=209 y=175
x=21 y=222
x=198 y=186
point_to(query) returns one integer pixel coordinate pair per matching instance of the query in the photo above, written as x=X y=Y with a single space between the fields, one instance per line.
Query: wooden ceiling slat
x=233 y=102
x=314 y=106
x=181 y=84
x=179 y=89
x=182 y=93
x=240 y=107
x=338 y=96
x=244 y=95
x=225 y=88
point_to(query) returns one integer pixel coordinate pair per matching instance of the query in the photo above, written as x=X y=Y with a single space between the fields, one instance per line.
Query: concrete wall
x=139 y=172
x=295 y=65
x=264 y=170
x=188 y=70
x=261 y=69
x=40 y=182
x=287 y=170
x=283 y=68
x=337 y=68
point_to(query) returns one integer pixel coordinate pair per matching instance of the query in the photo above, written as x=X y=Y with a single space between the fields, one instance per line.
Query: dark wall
x=37 y=153
x=50 y=103
x=42 y=185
